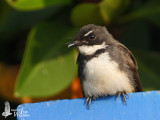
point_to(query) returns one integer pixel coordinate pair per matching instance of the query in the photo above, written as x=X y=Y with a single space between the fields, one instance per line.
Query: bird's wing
x=130 y=60
x=80 y=63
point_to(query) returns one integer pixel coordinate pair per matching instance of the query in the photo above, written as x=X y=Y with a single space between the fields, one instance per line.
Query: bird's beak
x=74 y=43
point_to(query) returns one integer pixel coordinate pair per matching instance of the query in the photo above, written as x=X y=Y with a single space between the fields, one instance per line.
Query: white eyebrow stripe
x=88 y=33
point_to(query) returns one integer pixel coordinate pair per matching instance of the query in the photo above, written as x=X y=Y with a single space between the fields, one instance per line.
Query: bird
x=105 y=66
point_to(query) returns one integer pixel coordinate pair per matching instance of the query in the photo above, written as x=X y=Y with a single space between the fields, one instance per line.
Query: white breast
x=104 y=78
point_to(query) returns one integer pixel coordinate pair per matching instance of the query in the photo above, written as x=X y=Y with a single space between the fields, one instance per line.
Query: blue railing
x=140 y=106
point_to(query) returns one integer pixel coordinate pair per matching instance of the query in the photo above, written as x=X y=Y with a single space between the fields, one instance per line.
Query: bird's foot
x=123 y=95
x=89 y=100
x=94 y=98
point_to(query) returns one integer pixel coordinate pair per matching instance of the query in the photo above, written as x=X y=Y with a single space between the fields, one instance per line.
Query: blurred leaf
x=149 y=69
x=149 y=10
x=36 y=4
x=137 y=35
x=13 y=20
x=156 y=20
x=4 y=9
x=86 y=13
x=48 y=66
x=111 y=9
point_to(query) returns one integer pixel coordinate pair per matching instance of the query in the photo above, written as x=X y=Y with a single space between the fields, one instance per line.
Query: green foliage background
x=37 y=30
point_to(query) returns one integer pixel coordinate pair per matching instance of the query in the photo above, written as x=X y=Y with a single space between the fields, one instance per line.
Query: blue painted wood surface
x=140 y=106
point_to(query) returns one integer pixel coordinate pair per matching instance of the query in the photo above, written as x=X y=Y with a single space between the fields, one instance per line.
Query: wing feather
x=130 y=60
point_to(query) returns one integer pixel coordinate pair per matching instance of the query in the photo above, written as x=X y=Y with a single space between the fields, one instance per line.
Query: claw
x=126 y=94
x=119 y=95
x=94 y=98
x=123 y=94
x=89 y=100
x=124 y=97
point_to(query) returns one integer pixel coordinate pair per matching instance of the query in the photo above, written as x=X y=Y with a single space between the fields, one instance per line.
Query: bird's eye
x=92 y=36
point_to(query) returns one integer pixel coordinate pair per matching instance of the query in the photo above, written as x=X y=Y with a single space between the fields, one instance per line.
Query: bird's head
x=90 y=38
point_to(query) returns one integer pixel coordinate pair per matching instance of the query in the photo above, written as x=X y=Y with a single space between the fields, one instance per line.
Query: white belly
x=104 y=78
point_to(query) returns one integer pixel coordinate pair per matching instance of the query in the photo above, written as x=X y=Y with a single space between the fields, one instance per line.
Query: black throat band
x=82 y=59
